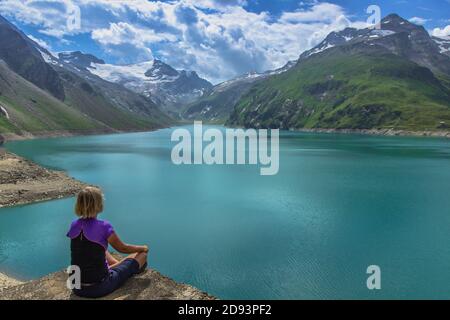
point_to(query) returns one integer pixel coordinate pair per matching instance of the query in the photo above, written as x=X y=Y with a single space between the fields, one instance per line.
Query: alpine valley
x=42 y=95
x=393 y=77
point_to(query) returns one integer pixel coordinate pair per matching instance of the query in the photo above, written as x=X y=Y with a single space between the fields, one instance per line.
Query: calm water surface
x=339 y=204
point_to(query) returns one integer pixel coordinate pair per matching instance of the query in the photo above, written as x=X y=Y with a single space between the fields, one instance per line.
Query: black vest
x=91 y=259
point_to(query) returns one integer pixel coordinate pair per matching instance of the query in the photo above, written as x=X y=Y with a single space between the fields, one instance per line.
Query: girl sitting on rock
x=101 y=273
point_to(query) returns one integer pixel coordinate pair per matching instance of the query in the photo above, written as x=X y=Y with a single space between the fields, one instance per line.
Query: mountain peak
x=393 y=16
x=396 y=23
x=79 y=59
x=160 y=70
x=397 y=36
x=189 y=74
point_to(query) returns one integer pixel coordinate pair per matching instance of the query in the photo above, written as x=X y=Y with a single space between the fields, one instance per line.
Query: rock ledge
x=150 y=285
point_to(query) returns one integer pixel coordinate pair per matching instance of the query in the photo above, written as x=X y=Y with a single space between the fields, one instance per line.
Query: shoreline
x=8 y=281
x=24 y=182
x=372 y=132
x=67 y=134
x=19 y=189
x=379 y=132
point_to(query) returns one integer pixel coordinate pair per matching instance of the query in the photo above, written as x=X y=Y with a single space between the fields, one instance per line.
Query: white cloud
x=219 y=39
x=122 y=37
x=53 y=33
x=122 y=32
x=50 y=16
x=318 y=12
x=444 y=32
x=418 y=20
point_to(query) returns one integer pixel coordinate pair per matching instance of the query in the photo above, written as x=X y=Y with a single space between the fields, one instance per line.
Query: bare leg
x=110 y=259
x=140 y=257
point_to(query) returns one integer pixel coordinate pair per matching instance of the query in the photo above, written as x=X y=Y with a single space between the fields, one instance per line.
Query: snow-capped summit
x=395 y=36
x=166 y=86
x=161 y=71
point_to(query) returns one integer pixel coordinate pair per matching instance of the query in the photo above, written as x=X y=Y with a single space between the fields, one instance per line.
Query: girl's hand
x=145 y=249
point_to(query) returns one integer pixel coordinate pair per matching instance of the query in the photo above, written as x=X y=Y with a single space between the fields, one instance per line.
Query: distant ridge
x=394 y=78
x=216 y=105
x=156 y=80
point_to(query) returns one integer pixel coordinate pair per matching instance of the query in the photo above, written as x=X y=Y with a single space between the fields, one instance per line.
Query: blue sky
x=220 y=39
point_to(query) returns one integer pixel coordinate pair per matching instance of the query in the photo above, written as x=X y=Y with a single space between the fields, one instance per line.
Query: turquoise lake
x=338 y=204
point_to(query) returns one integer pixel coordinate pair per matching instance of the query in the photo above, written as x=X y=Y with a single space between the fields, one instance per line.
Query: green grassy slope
x=352 y=91
x=217 y=106
x=84 y=109
x=33 y=110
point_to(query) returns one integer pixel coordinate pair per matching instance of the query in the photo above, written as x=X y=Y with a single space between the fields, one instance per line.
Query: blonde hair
x=89 y=203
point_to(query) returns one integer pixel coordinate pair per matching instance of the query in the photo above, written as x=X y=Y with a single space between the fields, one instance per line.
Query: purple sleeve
x=109 y=230
x=73 y=230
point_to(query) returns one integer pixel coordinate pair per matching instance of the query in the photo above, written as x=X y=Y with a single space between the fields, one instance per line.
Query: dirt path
x=23 y=182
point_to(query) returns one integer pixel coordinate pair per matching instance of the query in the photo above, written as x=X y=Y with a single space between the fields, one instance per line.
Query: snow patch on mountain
x=118 y=73
x=156 y=80
x=4 y=112
x=48 y=58
x=321 y=49
x=382 y=33
x=443 y=43
x=353 y=35
x=250 y=77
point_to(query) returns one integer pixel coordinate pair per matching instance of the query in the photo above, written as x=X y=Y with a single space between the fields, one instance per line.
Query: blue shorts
x=116 y=278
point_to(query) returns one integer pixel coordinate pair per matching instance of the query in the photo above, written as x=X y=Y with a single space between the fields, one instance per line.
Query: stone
x=149 y=285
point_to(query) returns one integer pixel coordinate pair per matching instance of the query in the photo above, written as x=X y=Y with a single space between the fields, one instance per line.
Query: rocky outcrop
x=6 y=282
x=22 y=182
x=150 y=285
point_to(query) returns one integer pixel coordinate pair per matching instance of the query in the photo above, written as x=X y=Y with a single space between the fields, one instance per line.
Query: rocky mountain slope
x=216 y=105
x=156 y=80
x=397 y=36
x=444 y=44
x=396 y=77
x=40 y=93
x=28 y=109
x=22 y=56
